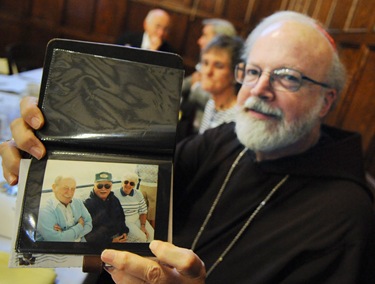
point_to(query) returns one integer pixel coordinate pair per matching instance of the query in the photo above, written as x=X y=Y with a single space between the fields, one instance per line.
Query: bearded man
x=276 y=197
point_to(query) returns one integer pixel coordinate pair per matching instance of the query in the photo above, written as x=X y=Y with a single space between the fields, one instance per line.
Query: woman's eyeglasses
x=129 y=182
x=106 y=186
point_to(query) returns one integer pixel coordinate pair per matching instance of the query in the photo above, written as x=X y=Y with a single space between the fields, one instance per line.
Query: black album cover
x=111 y=114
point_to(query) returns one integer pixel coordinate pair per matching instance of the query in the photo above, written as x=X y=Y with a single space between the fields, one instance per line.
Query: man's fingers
x=31 y=113
x=131 y=266
x=10 y=161
x=23 y=128
x=155 y=42
x=173 y=265
x=25 y=139
x=184 y=260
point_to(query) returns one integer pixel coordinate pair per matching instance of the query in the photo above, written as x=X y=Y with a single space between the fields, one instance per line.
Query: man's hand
x=57 y=228
x=173 y=265
x=24 y=139
x=155 y=42
x=11 y=158
x=144 y=230
x=81 y=221
x=120 y=239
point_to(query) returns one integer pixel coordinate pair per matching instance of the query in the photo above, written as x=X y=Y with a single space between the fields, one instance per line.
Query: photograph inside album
x=111 y=114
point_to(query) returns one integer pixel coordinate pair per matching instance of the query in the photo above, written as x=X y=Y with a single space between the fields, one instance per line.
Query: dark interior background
x=351 y=22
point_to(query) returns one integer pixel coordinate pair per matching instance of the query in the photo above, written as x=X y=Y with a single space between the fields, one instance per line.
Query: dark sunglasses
x=131 y=183
x=100 y=186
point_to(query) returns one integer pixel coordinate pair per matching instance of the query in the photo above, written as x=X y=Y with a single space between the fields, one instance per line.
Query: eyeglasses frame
x=132 y=183
x=101 y=185
x=303 y=77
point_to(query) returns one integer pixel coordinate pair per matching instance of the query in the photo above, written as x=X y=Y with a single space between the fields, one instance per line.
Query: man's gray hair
x=58 y=179
x=221 y=26
x=336 y=76
x=155 y=13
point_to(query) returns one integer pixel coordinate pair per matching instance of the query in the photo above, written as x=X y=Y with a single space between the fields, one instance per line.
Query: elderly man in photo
x=276 y=197
x=135 y=209
x=63 y=218
x=108 y=218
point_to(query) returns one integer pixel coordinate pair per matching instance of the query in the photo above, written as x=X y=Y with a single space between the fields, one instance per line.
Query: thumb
x=185 y=261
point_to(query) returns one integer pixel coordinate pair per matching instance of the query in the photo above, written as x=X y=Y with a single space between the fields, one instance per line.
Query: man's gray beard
x=270 y=135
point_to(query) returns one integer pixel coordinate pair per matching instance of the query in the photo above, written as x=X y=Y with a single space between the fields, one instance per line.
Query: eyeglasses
x=281 y=79
x=131 y=183
x=100 y=186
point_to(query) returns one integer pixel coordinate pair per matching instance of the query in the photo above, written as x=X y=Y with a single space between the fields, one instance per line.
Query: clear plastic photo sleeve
x=111 y=114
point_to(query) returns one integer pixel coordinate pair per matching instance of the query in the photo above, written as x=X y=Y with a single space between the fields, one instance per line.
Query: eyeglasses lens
x=106 y=186
x=282 y=79
x=286 y=79
x=131 y=183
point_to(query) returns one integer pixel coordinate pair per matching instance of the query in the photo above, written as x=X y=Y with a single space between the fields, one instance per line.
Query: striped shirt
x=132 y=205
x=212 y=117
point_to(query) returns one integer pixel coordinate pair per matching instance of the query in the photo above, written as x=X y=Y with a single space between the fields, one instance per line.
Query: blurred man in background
x=156 y=27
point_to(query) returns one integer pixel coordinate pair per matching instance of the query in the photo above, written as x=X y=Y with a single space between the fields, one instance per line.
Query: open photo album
x=111 y=114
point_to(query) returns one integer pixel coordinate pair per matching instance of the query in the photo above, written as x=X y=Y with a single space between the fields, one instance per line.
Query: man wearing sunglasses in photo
x=108 y=218
x=135 y=209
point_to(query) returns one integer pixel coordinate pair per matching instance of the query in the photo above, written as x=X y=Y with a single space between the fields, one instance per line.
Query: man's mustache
x=257 y=105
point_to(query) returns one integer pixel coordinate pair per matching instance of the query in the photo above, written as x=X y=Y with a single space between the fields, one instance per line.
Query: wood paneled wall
x=351 y=22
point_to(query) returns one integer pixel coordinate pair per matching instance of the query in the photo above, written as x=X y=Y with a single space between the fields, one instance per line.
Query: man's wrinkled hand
x=173 y=265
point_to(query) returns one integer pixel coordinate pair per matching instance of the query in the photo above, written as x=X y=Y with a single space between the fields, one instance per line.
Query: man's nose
x=161 y=32
x=199 y=41
x=262 y=88
x=208 y=69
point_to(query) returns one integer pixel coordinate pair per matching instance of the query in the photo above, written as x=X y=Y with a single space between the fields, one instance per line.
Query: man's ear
x=330 y=97
x=144 y=25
